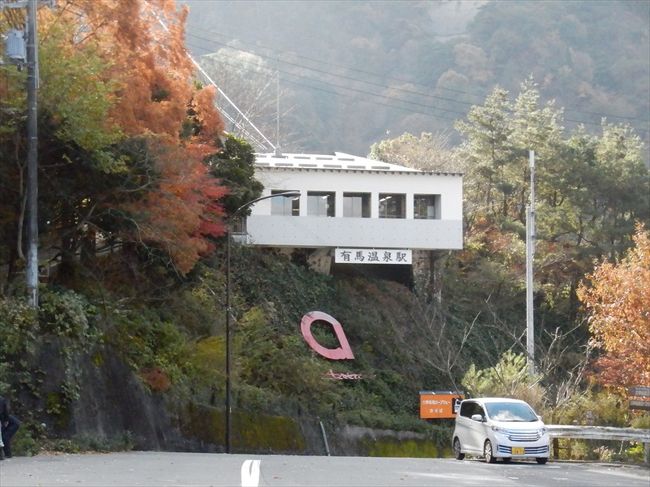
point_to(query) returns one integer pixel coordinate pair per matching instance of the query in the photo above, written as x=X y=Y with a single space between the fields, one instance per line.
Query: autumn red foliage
x=156 y=378
x=156 y=97
x=181 y=211
x=618 y=302
x=144 y=43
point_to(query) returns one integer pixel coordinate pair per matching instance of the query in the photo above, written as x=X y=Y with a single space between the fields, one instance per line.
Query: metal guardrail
x=602 y=433
x=599 y=433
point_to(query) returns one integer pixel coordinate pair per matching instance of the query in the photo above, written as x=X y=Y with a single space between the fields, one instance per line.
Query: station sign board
x=373 y=256
x=439 y=404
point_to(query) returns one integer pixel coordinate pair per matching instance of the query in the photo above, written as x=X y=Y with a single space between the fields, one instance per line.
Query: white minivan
x=496 y=427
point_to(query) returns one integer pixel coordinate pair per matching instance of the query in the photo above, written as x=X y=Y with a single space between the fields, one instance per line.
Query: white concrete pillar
x=409 y=206
x=374 y=205
x=338 y=204
x=303 y=202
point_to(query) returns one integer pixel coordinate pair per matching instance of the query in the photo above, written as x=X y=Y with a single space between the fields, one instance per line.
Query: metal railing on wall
x=606 y=433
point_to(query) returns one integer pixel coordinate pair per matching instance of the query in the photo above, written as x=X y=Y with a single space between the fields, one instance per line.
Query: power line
x=362 y=92
x=329 y=73
x=381 y=96
x=276 y=58
x=410 y=110
x=356 y=90
x=278 y=53
x=320 y=61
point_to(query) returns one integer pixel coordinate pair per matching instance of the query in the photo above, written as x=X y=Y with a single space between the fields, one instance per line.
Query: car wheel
x=458 y=454
x=506 y=459
x=541 y=461
x=487 y=452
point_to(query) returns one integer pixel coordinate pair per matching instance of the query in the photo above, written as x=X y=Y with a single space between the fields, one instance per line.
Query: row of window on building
x=357 y=205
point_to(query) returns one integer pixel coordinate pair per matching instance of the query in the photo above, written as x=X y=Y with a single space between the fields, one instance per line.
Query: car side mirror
x=539 y=417
x=477 y=417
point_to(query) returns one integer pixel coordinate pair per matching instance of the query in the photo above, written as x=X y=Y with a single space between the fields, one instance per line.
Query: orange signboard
x=439 y=404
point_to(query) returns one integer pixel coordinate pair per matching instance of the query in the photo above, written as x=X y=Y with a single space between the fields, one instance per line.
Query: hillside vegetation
x=352 y=72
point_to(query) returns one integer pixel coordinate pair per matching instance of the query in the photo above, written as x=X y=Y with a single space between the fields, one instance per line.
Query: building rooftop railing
x=336 y=161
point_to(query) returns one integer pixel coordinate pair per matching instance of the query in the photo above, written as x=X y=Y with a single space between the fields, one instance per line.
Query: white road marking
x=250 y=473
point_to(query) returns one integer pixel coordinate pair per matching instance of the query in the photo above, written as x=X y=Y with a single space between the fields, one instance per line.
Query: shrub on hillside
x=508 y=378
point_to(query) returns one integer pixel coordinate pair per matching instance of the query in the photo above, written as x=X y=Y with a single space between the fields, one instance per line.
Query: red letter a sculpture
x=341 y=353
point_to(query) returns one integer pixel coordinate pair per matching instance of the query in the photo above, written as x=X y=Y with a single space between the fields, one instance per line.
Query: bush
x=635 y=453
x=508 y=378
x=89 y=443
x=642 y=422
x=602 y=408
x=26 y=441
x=120 y=442
x=66 y=321
x=158 y=350
x=66 y=314
x=19 y=332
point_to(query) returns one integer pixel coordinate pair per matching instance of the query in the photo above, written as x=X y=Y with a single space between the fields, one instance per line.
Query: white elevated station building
x=354 y=203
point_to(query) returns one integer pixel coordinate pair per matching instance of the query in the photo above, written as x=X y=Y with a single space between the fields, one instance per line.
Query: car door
x=467 y=430
x=477 y=429
x=462 y=424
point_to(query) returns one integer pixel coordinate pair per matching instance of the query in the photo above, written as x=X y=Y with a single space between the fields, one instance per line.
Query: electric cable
x=278 y=53
x=363 y=92
x=385 y=97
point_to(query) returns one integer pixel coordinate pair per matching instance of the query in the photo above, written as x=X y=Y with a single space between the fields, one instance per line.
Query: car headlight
x=542 y=431
x=498 y=430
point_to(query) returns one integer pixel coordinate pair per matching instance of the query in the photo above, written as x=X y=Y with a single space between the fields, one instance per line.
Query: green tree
x=234 y=165
x=590 y=190
x=487 y=149
x=75 y=139
x=507 y=378
x=428 y=152
x=499 y=135
x=77 y=94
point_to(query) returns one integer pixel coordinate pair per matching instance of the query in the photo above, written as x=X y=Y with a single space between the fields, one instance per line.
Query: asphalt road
x=140 y=469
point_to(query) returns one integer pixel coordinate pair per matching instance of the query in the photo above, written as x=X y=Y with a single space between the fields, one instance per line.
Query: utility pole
x=530 y=254
x=31 y=60
x=32 y=155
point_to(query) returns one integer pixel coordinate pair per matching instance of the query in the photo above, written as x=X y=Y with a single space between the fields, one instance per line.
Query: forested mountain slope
x=351 y=72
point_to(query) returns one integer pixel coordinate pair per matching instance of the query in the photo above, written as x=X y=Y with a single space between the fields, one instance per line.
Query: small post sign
x=439 y=404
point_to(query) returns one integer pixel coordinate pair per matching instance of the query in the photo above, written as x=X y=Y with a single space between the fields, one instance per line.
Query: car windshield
x=510 y=411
